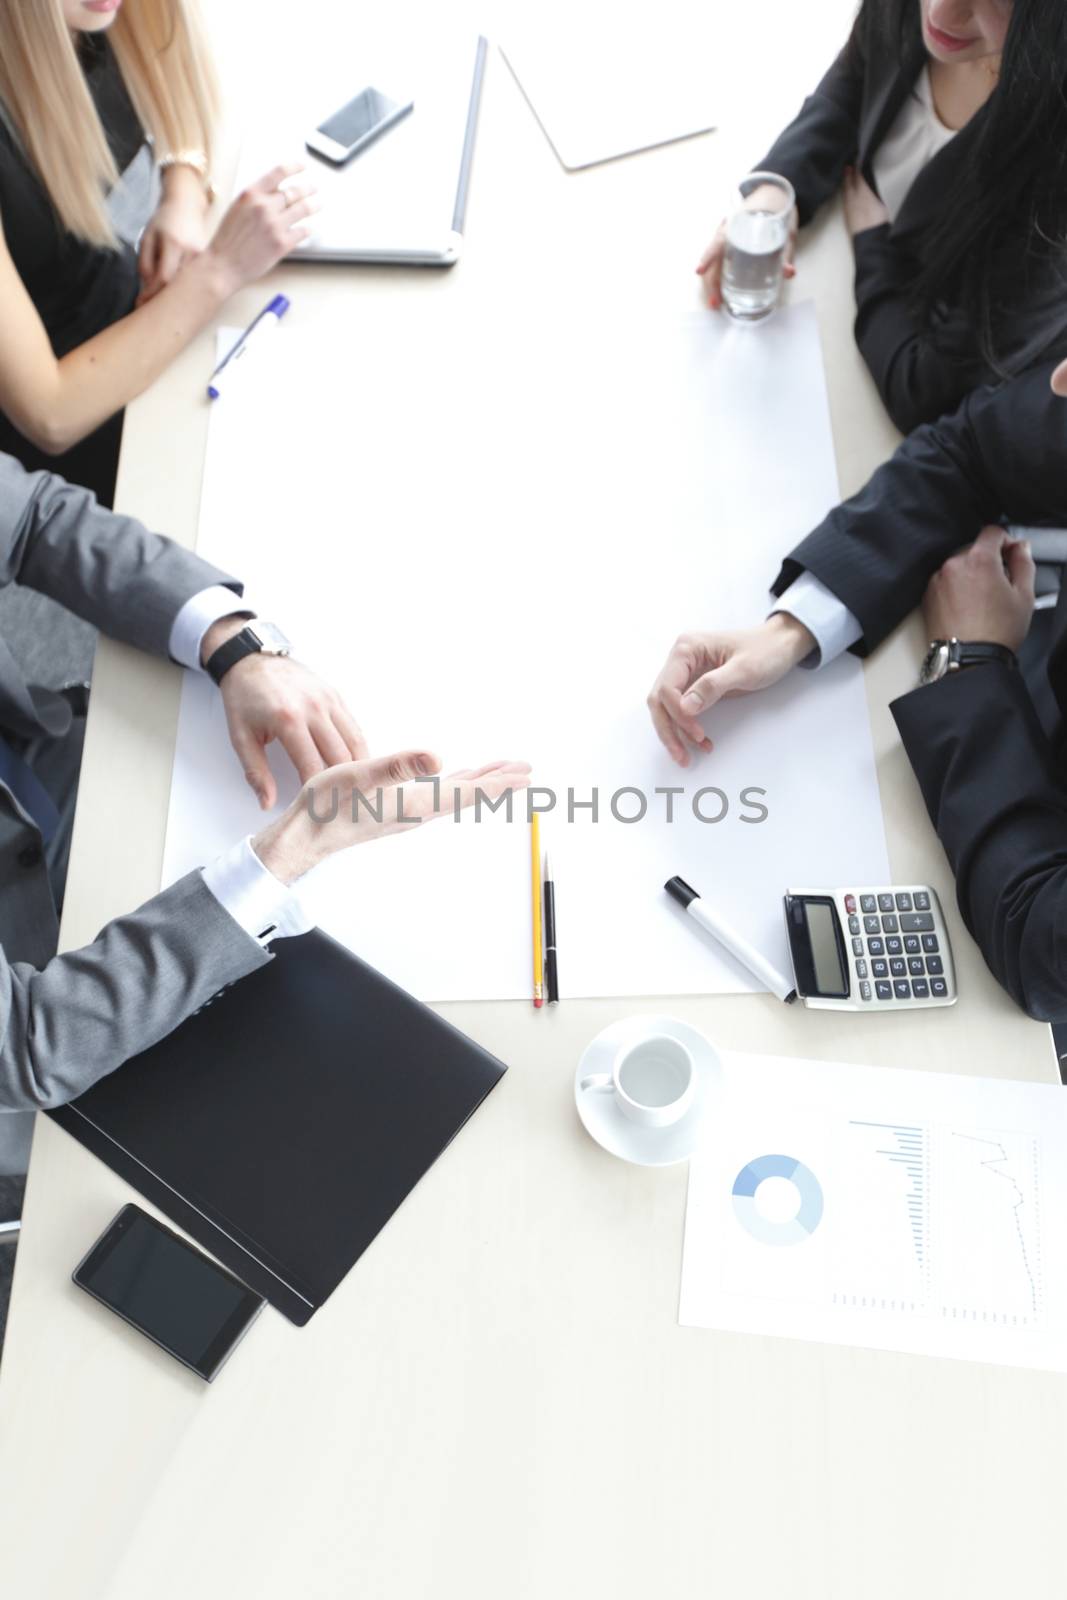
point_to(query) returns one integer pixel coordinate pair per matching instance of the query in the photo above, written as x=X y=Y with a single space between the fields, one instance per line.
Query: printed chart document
x=913 y=1211
x=488 y=541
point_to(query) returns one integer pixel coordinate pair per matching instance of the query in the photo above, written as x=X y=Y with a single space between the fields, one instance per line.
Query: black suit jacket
x=922 y=369
x=993 y=777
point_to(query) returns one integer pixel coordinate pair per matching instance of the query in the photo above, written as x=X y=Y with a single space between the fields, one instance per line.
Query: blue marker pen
x=269 y=317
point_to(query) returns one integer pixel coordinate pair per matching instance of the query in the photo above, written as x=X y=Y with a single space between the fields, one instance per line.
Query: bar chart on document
x=958 y=1213
x=819 y=1211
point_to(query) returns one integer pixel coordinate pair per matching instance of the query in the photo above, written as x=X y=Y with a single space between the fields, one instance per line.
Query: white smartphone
x=348 y=131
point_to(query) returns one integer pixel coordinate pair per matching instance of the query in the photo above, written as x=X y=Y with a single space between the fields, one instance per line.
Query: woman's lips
x=947 y=41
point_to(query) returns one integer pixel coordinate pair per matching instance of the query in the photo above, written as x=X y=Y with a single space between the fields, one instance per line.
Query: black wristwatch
x=950 y=655
x=261 y=637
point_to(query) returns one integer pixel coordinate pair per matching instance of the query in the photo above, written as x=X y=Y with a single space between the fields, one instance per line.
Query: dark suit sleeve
x=89 y=1010
x=921 y=371
x=986 y=773
x=127 y=582
x=823 y=138
x=1000 y=454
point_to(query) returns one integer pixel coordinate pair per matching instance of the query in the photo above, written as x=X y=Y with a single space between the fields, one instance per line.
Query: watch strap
x=229 y=654
x=971 y=653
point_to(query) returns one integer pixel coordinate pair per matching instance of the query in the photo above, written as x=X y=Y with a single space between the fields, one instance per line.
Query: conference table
x=499 y=1398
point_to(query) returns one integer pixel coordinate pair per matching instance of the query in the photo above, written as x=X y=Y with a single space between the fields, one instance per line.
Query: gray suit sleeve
x=89 y=1010
x=108 y=569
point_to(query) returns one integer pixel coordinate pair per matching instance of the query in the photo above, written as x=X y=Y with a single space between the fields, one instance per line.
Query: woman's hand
x=262 y=225
x=863 y=209
x=364 y=800
x=709 y=267
x=176 y=233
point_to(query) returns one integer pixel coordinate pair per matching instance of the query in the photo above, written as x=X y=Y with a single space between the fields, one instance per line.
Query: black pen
x=551 y=978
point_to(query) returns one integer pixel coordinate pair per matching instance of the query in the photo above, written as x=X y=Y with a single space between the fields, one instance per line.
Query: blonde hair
x=165 y=64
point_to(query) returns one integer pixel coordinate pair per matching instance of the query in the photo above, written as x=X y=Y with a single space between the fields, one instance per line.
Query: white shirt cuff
x=254 y=897
x=824 y=615
x=196 y=617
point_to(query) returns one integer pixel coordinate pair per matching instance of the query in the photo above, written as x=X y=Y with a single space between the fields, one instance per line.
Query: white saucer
x=599 y=1111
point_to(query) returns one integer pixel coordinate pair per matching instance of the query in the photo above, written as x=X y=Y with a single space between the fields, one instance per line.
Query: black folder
x=283 y=1124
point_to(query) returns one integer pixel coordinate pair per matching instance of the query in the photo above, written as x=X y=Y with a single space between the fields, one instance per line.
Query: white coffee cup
x=653 y=1081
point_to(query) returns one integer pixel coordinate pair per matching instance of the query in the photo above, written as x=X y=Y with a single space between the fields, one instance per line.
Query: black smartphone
x=168 y=1290
x=364 y=119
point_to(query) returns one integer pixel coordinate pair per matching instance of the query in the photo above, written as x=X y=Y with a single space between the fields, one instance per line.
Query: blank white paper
x=489 y=544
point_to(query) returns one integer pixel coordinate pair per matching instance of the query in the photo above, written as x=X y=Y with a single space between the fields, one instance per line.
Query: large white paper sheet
x=925 y=1212
x=488 y=543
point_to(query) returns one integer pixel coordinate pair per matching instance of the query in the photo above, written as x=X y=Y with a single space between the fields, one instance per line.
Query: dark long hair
x=1008 y=214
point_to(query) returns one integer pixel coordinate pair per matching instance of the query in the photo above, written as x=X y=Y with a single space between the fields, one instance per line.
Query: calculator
x=869 y=949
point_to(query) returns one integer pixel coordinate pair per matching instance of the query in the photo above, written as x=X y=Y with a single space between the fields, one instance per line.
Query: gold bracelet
x=196 y=160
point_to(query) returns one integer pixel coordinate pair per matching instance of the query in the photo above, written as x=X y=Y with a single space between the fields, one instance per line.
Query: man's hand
x=863 y=209
x=364 y=800
x=704 y=668
x=274 y=697
x=984 y=593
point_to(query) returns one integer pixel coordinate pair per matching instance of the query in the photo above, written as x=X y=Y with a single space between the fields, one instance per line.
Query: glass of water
x=757 y=235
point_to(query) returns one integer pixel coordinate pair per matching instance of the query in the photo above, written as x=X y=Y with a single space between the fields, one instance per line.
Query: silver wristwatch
x=950 y=655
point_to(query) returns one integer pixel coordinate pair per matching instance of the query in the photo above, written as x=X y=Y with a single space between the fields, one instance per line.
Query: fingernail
x=691 y=703
x=423 y=764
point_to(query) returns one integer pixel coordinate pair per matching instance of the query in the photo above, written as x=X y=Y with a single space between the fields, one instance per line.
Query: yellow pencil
x=535 y=895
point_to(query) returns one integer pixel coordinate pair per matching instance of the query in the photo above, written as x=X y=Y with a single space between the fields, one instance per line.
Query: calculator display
x=830 y=975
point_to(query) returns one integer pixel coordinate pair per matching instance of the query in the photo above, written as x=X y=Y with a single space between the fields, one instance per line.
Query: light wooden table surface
x=499 y=1400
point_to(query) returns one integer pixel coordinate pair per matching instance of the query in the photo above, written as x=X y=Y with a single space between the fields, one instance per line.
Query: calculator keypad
x=898 y=957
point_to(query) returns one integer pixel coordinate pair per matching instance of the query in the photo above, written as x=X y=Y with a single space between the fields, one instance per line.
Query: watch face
x=936 y=663
x=272 y=640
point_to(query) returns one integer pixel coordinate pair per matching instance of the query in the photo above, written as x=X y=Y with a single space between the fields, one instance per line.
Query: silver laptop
x=404 y=198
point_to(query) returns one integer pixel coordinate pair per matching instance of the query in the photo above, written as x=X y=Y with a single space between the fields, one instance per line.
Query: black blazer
x=922 y=370
x=994 y=778
x=77 y=288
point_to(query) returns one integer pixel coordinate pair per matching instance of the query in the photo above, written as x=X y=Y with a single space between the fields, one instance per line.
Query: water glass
x=757 y=235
